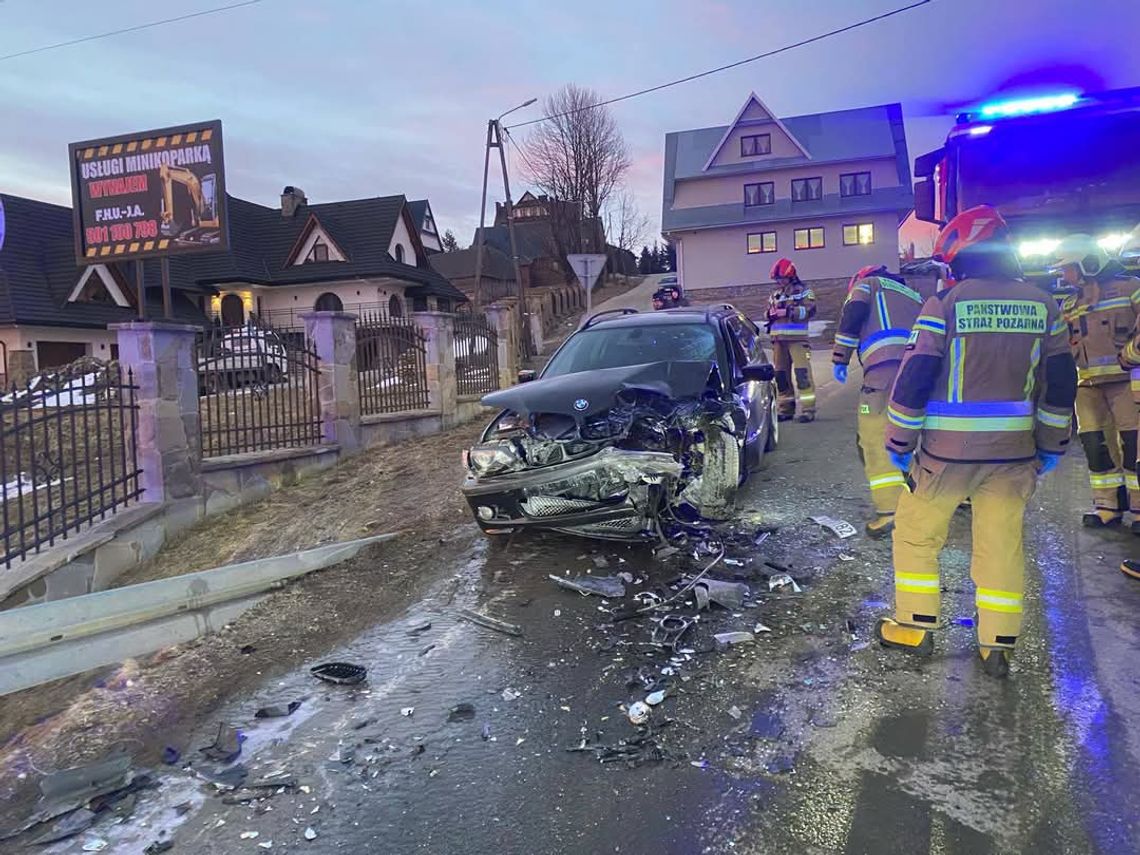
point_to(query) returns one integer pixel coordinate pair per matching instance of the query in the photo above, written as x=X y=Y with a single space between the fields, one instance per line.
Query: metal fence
x=67 y=454
x=257 y=389
x=391 y=364
x=476 y=355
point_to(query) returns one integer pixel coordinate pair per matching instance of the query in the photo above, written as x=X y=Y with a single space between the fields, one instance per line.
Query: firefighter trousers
x=793 y=359
x=1107 y=421
x=999 y=492
x=886 y=482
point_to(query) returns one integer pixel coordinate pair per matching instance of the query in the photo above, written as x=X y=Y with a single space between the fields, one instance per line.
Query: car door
x=747 y=350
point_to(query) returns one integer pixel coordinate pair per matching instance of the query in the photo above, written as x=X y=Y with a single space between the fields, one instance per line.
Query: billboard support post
x=167 y=309
x=140 y=288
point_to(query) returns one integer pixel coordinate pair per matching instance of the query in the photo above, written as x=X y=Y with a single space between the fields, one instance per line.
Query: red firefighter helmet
x=969 y=228
x=863 y=273
x=783 y=269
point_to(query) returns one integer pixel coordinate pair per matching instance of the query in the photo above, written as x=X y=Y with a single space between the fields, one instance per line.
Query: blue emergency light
x=1028 y=106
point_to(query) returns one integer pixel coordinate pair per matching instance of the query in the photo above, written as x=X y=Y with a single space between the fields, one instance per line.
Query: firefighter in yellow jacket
x=790 y=308
x=985 y=392
x=1101 y=315
x=1130 y=360
x=875 y=323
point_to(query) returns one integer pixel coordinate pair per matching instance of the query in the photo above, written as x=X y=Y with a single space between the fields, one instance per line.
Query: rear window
x=613 y=347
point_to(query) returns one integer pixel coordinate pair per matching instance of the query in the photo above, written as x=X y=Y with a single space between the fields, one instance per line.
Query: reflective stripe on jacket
x=1130 y=360
x=790 y=310
x=1101 y=317
x=987 y=376
x=876 y=322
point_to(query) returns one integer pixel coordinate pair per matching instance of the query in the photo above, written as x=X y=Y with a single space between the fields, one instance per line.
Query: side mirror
x=526 y=375
x=759 y=372
x=924 y=200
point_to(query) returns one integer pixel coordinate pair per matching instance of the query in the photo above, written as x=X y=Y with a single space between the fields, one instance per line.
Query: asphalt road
x=812 y=739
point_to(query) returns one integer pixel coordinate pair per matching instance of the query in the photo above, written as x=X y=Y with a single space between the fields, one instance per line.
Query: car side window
x=747 y=338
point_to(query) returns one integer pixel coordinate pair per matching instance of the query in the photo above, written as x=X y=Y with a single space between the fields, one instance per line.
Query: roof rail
x=593 y=319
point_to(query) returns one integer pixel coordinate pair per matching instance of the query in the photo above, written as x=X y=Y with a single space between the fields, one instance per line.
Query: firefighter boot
x=880 y=527
x=995 y=661
x=1102 y=518
x=891 y=633
x=1130 y=567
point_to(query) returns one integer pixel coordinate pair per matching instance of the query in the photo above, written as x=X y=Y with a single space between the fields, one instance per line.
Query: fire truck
x=1051 y=164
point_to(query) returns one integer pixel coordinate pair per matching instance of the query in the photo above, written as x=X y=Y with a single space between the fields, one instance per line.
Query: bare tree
x=626 y=225
x=576 y=155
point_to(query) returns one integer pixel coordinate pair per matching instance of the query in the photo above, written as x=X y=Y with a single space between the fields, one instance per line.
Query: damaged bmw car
x=638 y=420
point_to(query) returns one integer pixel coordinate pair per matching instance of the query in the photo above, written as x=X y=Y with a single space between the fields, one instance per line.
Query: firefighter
x=987 y=383
x=1130 y=359
x=1101 y=313
x=790 y=308
x=876 y=322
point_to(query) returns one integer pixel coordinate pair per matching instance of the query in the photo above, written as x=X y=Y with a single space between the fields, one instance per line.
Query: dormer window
x=319 y=252
x=400 y=253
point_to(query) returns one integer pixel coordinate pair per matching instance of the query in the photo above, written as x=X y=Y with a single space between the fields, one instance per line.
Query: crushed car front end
x=608 y=454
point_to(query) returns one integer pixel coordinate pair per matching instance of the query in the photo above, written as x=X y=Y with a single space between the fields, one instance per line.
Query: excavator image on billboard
x=197 y=220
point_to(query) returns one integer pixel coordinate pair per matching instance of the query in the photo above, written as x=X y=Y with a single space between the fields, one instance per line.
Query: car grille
x=550 y=506
x=624 y=524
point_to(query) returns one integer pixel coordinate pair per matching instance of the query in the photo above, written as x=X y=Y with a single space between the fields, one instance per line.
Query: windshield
x=1064 y=165
x=614 y=346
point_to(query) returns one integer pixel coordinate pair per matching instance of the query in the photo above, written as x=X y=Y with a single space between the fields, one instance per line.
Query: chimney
x=292 y=199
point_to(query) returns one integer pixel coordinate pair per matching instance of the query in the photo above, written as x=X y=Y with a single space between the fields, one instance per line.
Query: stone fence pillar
x=333 y=336
x=442 y=392
x=169 y=437
x=502 y=321
x=21 y=367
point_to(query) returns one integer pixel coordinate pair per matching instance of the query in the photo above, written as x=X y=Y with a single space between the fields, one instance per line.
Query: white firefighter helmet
x=1083 y=251
x=1130 y=249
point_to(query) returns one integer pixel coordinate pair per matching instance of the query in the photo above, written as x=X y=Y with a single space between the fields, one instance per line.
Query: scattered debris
x=843 y=556
x=423 y=627
x=638 y=713
x=766 y=725
x=510 y=694
x=310 y=834
x=231 y=777
x=278 y=711
x=363 y=723
x=655 y=698
x=783 y=583
x=699 y=764
x=461 y=712
x=171 y=756
x=490 y=622
x=249 y=835
x=734 y=712
x=268 y=844
x=158 y=847
x=840 y=528
x=760 y=628
x=963 y=621
x=246 y=649
x=67 y=826
x=406 y=712
x=341 y=673
x=729 y=595
x=602 y=586
x=486 y=732
x=726 y=639
x=669 y=630
x=226 y=746
x=427 y=650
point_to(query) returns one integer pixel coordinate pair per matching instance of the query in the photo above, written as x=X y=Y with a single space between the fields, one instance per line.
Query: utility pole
x=495 y=139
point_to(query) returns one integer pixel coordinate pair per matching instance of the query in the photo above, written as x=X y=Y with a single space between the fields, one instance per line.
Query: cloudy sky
x=354 y=98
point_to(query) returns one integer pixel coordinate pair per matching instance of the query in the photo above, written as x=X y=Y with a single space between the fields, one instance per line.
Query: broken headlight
x=493 y=458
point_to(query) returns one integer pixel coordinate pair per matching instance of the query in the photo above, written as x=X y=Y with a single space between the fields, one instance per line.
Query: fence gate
x=67 y=453
x=257 y=390
x=391 y=364
x=476 y=355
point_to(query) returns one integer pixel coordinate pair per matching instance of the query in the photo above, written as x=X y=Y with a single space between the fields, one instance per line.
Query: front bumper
x=565 y=497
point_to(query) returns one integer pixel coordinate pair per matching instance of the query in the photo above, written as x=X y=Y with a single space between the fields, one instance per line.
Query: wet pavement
x=811 y=739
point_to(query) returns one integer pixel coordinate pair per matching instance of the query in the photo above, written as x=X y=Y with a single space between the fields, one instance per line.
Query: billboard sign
x=153 y=193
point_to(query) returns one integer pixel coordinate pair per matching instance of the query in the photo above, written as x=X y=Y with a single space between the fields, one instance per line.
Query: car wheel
x=773 y=437
x=715 y=497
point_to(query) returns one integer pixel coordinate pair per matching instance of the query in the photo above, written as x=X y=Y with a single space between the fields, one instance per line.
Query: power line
x=865 y=22
x=134 y=29
x=521 y=152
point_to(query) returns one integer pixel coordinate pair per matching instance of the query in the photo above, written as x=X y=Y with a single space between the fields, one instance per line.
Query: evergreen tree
x=645 y=262
x=450 y=244
x=655 y=259
x=670 y=258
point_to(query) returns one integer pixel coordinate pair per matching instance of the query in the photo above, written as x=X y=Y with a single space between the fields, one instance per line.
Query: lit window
x=859 y=233
x=855 y=184
x=807 y=189
x=761 y=242
x=755 y=144
x=811 y=238
x=759 y=194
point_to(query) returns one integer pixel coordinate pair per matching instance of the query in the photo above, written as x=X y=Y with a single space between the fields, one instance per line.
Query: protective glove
x=901 y=461
x=1046 y=462
x=839 y=371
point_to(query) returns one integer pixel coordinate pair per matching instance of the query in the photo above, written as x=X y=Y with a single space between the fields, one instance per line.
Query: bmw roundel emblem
x=581 y=404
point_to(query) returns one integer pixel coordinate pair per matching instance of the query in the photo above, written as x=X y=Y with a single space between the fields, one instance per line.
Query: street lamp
x=519 y=107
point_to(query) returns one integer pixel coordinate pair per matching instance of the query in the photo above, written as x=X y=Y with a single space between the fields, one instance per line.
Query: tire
x=772 y=439
x=715 y=496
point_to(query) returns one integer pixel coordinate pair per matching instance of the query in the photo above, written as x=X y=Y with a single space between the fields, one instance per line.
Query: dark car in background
x=637 y=418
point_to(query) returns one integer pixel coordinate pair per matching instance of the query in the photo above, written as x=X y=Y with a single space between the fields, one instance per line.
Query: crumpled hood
x=588 y=393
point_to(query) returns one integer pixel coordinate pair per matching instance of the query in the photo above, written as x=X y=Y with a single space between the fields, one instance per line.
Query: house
x=497 y=277
x=828 y=191
x=425 y=222
x=360 y=255
x=570 y=229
